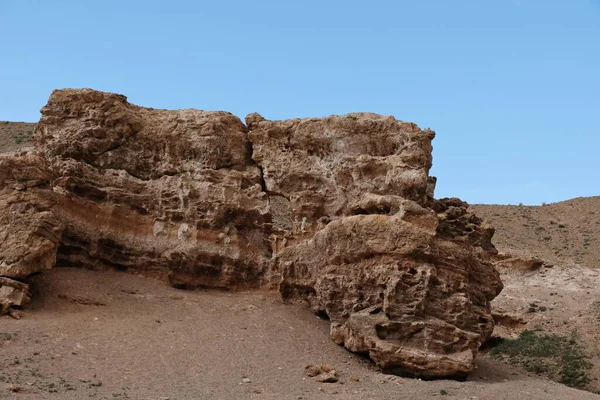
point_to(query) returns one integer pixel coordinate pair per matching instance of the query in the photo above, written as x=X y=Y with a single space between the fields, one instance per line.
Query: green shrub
x=21 y=137
x=560 y=358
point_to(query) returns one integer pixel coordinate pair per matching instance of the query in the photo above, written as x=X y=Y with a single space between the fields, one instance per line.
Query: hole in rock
x=382 y=331
x=322 y=314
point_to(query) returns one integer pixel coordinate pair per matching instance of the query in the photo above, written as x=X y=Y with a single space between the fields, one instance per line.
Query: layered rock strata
x=336 y=211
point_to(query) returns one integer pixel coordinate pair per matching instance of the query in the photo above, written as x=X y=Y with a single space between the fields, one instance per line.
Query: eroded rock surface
x=336 y=211
x=414 y=302
x=29 y=230
x=174 y=194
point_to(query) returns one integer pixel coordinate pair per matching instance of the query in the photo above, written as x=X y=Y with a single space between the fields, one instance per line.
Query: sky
x=511 y=87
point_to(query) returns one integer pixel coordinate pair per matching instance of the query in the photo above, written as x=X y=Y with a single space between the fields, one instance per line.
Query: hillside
x=560 y=233
x=560 y=294
x=15 y=135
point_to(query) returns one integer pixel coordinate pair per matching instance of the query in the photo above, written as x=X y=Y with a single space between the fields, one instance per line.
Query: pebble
x=327 y=377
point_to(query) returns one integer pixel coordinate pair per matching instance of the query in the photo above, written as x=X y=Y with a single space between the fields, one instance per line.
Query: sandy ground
x=112 y=335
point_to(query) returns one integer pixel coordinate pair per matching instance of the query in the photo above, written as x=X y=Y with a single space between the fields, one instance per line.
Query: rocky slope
x=334 y=211
x=566 y=232
x=15 y=136
x=550 y=272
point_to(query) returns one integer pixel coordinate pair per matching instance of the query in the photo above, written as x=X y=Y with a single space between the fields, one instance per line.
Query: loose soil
x=112 y=335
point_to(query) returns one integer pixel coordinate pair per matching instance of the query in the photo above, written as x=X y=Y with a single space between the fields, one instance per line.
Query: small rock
x=327 y=377
x=16 y=314
x=327 y=368
x=246 y=380
x=312 y=370
x=354 y=378
x=15 y=388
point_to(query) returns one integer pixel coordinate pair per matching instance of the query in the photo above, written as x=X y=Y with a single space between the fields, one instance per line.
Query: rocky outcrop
x=321 y=168
x=393 y=289
x=29 y=230
x=336 y=211
x=174 y=194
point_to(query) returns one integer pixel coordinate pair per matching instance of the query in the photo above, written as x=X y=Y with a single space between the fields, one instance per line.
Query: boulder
x=416 y=303
x=337 y=212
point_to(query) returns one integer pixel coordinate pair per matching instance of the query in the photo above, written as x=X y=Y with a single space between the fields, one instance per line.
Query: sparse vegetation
x=23 y=136
x=560 y=358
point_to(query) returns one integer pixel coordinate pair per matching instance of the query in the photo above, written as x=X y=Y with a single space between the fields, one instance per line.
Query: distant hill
x=15 y=135
x=562 y=233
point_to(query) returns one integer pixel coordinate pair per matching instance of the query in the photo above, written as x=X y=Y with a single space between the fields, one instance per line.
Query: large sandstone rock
x=320 y=168
x=173 y=194
x=394 y=289
x=29 y=231
x=337 y=211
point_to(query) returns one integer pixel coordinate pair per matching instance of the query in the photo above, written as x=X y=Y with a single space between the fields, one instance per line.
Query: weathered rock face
x=322 y=168
x=29 y=231
x=335 y=211
x=169 y=193
x=395 y=290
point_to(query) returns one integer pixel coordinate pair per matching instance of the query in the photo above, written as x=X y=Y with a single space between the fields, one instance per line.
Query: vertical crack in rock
x=348 y=223
x=263 y=184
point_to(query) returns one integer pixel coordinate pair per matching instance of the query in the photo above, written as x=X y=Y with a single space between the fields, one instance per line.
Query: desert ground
x=108 y=334
x=115 y=335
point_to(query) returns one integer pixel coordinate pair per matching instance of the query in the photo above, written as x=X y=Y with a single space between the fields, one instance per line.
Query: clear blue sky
x=512 y=87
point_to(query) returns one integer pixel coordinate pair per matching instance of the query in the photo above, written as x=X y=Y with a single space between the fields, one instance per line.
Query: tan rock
x=322 y=166
x=312 y=370
x=13 y=293
x=29 y=230
x=327 y=377
x=416 y=303
x=337 y=211
x=173 y=194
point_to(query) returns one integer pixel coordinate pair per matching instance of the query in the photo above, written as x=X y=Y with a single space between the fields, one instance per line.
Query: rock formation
x=29 y=230
x=336 y=211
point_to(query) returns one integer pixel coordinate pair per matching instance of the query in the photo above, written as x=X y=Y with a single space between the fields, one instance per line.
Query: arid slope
x=15 y=135
x=560 y=297
x=561 y=233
